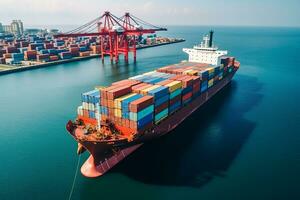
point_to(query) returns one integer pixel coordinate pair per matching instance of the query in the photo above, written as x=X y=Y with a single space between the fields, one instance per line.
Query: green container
x=161 y=115
x=175 y=93
x=141 y=114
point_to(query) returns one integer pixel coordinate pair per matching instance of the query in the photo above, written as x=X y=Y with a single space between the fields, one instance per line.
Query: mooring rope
x=74 y=179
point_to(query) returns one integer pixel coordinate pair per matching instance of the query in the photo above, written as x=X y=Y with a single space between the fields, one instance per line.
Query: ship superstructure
x=206 y=51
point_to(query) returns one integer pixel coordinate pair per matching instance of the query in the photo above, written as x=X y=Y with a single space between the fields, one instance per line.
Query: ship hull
x=105 y=155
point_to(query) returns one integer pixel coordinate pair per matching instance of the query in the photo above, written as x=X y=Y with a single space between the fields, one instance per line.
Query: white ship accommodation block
x=205 y=52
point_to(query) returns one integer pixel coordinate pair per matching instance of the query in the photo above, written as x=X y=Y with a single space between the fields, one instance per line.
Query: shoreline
x=47 y=64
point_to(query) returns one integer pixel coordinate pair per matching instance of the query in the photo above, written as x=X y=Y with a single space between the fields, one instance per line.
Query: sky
x=159 y=12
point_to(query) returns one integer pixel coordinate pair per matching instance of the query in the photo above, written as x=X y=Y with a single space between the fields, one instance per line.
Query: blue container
x=159 y=92
x=61 y=50
x=175 y=106
x=17 y=58
x=40 y=48
x=204 y=86
x=17 y=55
x=211 y=75
x=103 y=110
x=82 y=49
x=161 y=100
x=92 y=114
x=203 y=74
x=91 y=96
x=52 y=51
x=144 y=121
x=187 y=90
x=65 y=55
x=154 y=80
x=60 y=43
x=44 y=51
x=125 y=102
x=158 y=80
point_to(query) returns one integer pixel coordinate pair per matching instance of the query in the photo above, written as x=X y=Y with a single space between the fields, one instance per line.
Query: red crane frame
x=117 y=35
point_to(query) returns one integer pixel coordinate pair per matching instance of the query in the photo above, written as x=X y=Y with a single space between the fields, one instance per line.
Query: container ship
x=114 y=121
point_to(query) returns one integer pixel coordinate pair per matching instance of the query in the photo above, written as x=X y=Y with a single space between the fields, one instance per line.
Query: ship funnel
x=211 y=34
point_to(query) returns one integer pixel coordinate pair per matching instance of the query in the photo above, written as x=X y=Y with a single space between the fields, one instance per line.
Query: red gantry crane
x=116 y=35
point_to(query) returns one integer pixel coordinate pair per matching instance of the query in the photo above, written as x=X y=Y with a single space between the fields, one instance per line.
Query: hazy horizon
x=265 y=13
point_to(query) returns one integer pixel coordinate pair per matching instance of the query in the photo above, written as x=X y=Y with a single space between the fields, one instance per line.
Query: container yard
x=34 y=51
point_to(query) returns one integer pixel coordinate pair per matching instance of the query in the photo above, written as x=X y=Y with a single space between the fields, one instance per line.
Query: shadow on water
x=202 y=147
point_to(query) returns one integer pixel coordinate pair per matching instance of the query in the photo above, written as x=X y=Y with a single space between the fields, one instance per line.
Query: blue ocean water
x=243 y=144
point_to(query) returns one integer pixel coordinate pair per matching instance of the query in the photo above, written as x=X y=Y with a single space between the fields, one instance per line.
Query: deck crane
x=117 y=35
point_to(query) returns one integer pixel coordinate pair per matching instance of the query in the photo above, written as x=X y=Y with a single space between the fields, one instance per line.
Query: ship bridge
x=206 y=51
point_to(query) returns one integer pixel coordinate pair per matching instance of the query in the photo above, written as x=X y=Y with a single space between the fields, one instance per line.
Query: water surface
x=243 y=144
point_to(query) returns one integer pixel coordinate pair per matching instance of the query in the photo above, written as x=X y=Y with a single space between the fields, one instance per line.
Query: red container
x=48 y=46
x=111 y=112
x=74 y=49
x=231 y=61
x=118 y=92
x=187 y=81
x=136 y=87
x=141 y=103
x=103 y=102
x=177 y=77
x=32 y=47
x=73 y=45
x=196 y=88
x=175 y=99
x=110 y=103
x=43 y=57
x=127 y=82
x=161 y=107
x=103 y=91
x=30 y=55
x=165 y=82
x=11 y=49
x=7 y=55
x=53 y=58
x=187 y=96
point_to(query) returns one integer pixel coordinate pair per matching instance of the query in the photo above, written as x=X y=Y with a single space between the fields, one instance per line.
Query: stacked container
x=30 y=55
x=89 y=111
x=17 y=58
x=137 y=104
x=43 y=57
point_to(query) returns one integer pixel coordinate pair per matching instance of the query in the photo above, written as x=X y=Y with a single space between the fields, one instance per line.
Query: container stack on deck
x=89 y=111
x=137 y=104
